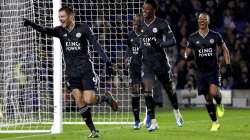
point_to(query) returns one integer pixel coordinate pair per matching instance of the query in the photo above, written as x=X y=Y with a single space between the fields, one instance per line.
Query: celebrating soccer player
x=156 y=35
x=79 y=69
x=204 y=45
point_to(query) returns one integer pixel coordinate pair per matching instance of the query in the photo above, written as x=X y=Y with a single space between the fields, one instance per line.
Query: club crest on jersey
x=65 y=35
x=197 y=42
x=78 y=35
x=155 y=30
x=132 y=40
x=211 y=41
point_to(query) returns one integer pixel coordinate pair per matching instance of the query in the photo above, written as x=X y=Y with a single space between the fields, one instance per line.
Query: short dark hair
x=152 y=2
x=67 y=9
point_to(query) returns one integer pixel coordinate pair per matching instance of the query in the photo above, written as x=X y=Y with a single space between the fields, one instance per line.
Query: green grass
x=235 y=125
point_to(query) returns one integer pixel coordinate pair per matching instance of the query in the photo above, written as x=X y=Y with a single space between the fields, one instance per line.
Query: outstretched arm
x=44 y=30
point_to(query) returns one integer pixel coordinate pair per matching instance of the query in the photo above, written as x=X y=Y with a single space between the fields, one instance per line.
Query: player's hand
x=109 y=69
x=26 y=22
x=155 y=44
x=228 y=70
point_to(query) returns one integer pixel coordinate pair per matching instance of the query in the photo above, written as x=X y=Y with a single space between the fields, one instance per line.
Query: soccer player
x=79 y=69
x=133 y=60
x=204 y=44
x=156 y=35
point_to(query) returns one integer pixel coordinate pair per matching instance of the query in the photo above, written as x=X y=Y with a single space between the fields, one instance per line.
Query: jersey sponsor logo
x=135 y=50
x=205 y=52
x=211 y=41
x=78 y=35
x=155 y=30
x=146 y=41
x=72 y=46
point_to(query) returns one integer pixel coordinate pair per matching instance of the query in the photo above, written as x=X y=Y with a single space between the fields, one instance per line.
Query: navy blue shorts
x=205 y=80
x=150 y=70
x=86 y=79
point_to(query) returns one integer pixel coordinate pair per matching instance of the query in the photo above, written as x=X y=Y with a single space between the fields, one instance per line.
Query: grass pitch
x=235 y=125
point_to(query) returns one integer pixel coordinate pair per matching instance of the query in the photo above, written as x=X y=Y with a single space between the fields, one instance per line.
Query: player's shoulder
x=58 y=27
x=131 y=33
x=82 y=25
x=194 y=34
x=161 y=20
x=214 y=33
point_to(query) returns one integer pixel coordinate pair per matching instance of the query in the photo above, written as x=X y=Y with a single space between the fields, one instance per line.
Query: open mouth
x=202 y=23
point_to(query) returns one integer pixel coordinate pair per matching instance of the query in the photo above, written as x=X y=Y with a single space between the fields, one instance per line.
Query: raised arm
x=43 y=30
x=92 y=39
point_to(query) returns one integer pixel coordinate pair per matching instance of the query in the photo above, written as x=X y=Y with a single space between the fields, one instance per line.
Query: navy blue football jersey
x=75 y=46
x=133 y=49
x=159 y=31
x=205 y=50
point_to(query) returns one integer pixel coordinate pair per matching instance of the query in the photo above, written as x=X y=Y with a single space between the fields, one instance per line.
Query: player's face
x=148 y=11
x=65 y=19
x=203 y=21
x=136 y=23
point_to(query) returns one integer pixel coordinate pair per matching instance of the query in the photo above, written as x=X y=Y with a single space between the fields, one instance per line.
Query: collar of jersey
x=150 y=22
x=204 y=35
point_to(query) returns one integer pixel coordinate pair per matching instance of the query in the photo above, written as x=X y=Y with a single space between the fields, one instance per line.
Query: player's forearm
x=101 y=52
x=39 y=28
x=168 y=43
x=187 y=52
x=44 y=30
x=226 y=54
